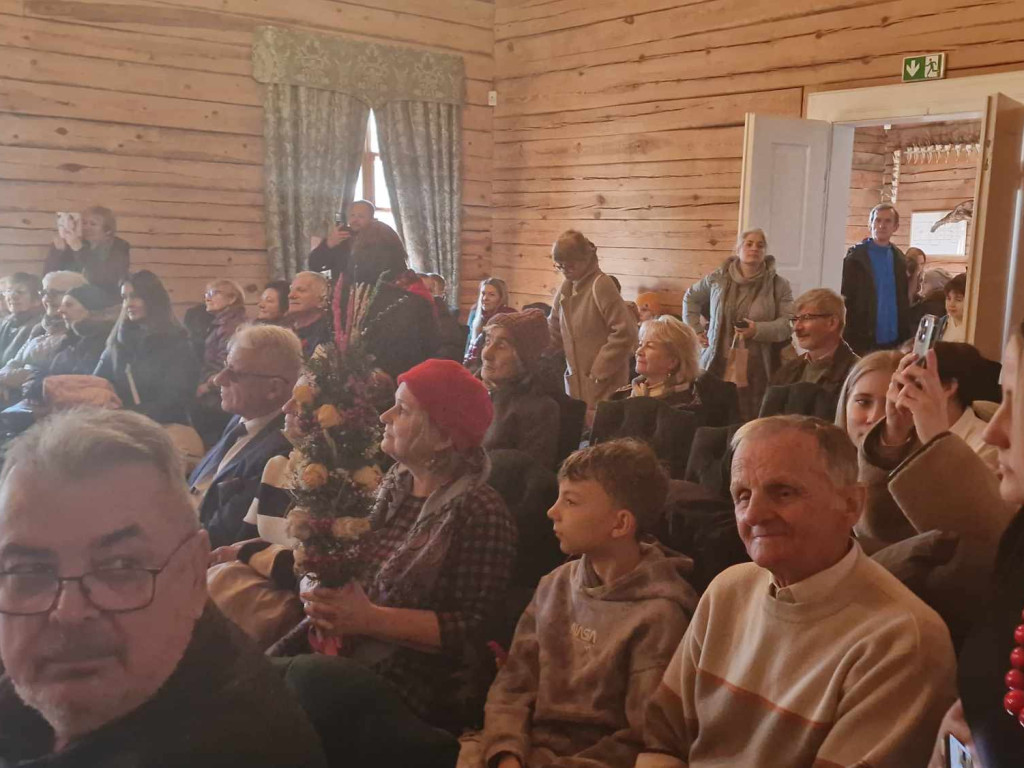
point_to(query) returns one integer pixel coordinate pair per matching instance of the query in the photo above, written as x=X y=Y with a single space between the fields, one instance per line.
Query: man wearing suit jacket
x=262 y=366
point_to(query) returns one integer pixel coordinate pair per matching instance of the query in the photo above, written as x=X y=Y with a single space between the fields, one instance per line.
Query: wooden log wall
x=149 y=107
x=624 y=118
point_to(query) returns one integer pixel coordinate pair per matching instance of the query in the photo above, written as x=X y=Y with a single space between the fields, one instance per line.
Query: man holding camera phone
x=333 y=252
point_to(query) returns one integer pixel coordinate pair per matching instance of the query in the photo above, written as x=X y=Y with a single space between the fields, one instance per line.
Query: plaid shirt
x=471 y=581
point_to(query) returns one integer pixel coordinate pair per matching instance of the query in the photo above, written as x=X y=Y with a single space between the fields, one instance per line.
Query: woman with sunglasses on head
x=744 y=301
x=590 y=322
x=148 y=357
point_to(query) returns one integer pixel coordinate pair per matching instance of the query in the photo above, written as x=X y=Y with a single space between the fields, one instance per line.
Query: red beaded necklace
x=1013 y=701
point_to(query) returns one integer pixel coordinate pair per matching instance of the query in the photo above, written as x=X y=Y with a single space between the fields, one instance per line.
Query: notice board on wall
x=947 y=240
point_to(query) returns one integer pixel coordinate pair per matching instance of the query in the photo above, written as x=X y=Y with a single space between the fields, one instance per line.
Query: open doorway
x=929 y=170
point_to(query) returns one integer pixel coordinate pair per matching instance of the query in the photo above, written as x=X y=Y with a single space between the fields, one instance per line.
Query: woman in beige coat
x=590 y=322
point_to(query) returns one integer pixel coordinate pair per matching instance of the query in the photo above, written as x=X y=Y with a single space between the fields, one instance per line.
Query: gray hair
x=82 y=441
x=271 y=342
x=63 y=280
x=325 y=284
x=837 y=451
x=827 y=300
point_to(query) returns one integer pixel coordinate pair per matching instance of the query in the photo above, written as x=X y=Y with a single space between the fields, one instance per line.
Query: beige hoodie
x=585 y=659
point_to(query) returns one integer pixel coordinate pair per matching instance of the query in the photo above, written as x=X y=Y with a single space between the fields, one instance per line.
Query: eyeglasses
x=211 y=294
x=114 y=590
x=798 y=318
x=561 y=266
x=233 y=376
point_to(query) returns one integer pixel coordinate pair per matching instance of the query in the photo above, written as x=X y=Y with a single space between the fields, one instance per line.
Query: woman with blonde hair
x=862 y=398
x=590 y=322
x=745 y=303
x=668 y=364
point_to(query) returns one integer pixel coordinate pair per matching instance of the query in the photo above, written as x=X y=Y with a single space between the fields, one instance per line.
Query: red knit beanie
x=456 y=401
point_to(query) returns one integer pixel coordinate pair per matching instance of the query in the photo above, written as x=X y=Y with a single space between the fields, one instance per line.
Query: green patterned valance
x=373 y=73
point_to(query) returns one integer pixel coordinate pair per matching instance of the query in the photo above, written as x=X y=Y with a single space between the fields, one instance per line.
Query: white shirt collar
x=821 y=584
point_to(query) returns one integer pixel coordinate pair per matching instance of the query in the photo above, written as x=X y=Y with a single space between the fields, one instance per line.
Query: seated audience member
x=915 y=261
x=273 y=303
x=440 y=557
x=113 y=653
x=334 y=252
x=862 y=400
x=96 y=252
x=912 y=464
x=5 y=310
x=262 y=366
x=594 y=642
x=818 y=328
x=526 y=417
x=148 y=357
x=89 y=314
x=493 y=301
x=648 y=305
x=954 y=328
x=935 y=398
x=225 y=303
x=812 y=654
x=26 y=312
x=46 y=336
x=668 y=364
x=307 y=312
x=987 y=717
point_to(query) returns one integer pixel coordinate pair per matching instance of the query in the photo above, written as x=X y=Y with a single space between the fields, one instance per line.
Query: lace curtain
x=417 y=96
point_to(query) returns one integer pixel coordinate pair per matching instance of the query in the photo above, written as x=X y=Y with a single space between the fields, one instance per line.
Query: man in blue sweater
x=875 y=287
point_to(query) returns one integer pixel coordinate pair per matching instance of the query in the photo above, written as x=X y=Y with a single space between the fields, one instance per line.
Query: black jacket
x=224 y=705
x=229 y=496
x=15 y=330
x=862 y=303
x=78 y=353
x=843 y=359
x=335 y=260
x=400 y=329
x=161 y=365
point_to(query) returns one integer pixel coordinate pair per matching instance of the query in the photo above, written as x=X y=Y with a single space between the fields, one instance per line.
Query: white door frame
x=936 y=99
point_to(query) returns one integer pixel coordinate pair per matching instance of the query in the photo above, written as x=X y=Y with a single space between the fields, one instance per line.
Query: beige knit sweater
x=858 y=676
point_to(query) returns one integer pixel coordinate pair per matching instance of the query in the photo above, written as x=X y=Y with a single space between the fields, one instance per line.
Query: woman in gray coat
x=747 y=298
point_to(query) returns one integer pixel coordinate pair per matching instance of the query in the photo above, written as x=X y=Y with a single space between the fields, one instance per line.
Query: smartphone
x=957 y=755
x=742 y=324
x=69 y=221
x=927 y=335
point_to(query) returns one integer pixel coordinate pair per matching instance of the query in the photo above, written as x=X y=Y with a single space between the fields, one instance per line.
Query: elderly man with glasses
x=818 y=330
x=263 y=364
x=113 y=653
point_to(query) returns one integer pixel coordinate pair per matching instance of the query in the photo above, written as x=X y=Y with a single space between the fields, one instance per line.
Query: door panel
x=995 y=293
x=788 y=180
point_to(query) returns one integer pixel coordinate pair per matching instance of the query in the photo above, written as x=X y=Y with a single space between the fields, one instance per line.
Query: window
x=370 y=183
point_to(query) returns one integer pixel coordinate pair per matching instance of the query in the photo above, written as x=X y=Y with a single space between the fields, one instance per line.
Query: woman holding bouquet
x=436 y=560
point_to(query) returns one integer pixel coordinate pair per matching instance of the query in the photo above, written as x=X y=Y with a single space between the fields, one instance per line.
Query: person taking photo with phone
x=90 y=245
x=333 y=253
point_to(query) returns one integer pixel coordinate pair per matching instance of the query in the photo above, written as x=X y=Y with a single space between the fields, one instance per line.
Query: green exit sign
x=931 y=66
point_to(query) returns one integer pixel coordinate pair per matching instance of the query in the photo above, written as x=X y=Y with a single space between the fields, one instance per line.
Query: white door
x=796 y=187
x=995 y=293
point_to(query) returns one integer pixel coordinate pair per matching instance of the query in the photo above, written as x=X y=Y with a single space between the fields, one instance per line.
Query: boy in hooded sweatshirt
x=600 y=631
